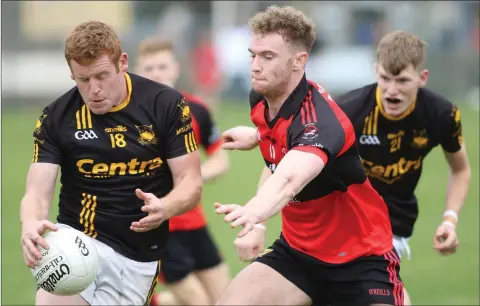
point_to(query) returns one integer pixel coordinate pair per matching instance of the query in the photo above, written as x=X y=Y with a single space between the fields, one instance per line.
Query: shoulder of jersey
x=197 y=106
x=146 y=89
x=254 y=98
x=359 y=94
x=59 y=107
x=433 y=102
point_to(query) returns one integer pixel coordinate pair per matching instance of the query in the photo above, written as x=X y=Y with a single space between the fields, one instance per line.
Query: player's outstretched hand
x=237 y=215
x=251 y=245
x=154 y=207
x=445 y=240
x=32 y=232
x=240 y=138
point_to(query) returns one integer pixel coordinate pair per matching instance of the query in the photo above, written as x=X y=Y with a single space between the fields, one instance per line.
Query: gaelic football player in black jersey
x=397 y=123
x=129 y=162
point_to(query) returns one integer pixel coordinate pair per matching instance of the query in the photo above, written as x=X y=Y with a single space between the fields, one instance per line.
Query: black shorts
x=188 y=251
x=361 y=282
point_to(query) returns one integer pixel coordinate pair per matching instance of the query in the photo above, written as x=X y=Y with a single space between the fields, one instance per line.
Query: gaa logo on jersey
x=370 y=140
x=310 y=132
x=86 y=134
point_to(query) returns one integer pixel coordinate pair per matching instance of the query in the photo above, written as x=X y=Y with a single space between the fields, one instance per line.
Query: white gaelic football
x=70 y=264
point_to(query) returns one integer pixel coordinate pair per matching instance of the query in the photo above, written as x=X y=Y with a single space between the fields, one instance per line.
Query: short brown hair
x=396 y=50
x=90 y=40
x=295 y=28
x=153 y=45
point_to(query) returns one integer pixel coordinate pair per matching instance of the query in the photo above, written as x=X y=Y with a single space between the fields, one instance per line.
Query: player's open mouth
x=393 y=100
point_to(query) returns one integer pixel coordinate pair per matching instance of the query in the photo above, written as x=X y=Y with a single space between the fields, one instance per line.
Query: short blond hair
x=295 y=28
x=153 y=45
x=397 y=50
x=90 y=40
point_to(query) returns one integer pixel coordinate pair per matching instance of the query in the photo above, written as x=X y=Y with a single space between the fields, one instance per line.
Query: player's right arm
x=40 y=187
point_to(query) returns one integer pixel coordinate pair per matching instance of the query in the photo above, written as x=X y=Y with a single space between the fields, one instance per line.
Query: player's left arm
x=217 y=162
x=292 y=174
x=183 y=159
x=456 y=155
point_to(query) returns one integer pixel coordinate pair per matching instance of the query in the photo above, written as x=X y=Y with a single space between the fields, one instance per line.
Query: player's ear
x=300 y=60
x=123 y=62
x=71 y=76
x=423 y=77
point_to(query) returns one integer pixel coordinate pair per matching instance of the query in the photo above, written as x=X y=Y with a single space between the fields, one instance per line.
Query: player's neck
x=124 y=91
x=276 y=100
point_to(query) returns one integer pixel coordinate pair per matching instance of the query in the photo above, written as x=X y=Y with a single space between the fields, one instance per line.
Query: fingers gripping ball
x=70 y=264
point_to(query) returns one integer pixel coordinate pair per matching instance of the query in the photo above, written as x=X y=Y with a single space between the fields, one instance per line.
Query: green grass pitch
x=430 y=278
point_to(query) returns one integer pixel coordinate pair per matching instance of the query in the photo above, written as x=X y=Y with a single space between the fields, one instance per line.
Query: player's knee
x=189 y=291
x=45 y=298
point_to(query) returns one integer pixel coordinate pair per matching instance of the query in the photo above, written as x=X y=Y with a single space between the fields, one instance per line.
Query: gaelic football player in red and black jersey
x=335 y=247
x=193 y=269
x=398 y=122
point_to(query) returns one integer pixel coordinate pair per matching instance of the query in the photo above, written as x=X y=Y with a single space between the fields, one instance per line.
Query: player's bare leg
x=188 y=291
x=164 y=298
x=45 y=298
x=214 y=280
x=406 y=298
x=258 y=284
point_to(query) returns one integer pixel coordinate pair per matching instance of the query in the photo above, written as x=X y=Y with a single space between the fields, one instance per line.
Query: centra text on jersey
x=390 y=173
x=90 y=168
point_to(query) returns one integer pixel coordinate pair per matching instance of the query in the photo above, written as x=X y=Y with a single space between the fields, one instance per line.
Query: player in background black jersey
x=193 y=269
x=129 y=162
x=397 y=123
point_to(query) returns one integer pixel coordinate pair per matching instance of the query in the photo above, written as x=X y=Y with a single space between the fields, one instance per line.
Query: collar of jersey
x=127 y=100
x=384 y=113
x=294 y=100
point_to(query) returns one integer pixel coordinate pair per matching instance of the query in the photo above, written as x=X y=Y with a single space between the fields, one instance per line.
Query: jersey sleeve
x=45 y=145
x=317 y=129
x=180 y=139
x=209 y=133
x=451 y=138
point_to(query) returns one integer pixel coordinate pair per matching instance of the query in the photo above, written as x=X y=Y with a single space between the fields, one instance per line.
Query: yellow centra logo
x=420 y=139
x=146 y=135
x=92 y=169
x=38 y=124
x=186 y=114
x=393 y=172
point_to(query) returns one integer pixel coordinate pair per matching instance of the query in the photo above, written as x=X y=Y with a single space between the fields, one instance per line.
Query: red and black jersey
x=338 y=216
x=208 y=137
x=393 y=149
x=104 y=158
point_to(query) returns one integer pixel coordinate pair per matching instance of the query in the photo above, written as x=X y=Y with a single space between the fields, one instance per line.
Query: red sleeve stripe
x=310 y=102
x=308 y=110
x=314 y=150
x=302 y=111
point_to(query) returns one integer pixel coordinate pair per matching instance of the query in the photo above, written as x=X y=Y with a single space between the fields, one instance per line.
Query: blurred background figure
x=205 y=70
x=211 y=40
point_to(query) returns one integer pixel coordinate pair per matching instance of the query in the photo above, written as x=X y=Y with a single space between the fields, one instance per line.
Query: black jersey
x=104 y=158
x=393 y=149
